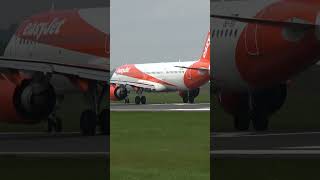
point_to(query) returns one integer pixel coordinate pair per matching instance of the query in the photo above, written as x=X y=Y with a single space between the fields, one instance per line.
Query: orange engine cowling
x=27 y=102
x=118 y=93
x=196 y=78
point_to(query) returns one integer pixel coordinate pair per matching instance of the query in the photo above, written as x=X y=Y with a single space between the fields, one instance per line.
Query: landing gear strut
x=55 y=122
x=258 y=106
x=88 y=122
x=126 y=100
x=90 y=118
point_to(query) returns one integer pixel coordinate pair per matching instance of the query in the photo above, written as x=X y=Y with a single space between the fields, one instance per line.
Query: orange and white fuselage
x=164 y=77
x=76 y=37
x=257 y=49
x=60 y=36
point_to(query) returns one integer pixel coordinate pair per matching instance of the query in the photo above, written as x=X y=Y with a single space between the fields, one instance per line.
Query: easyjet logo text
x=43 y=28
x=123 y=70
x=207 y=46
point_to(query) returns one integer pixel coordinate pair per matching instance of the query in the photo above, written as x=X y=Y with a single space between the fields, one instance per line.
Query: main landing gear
x=90 y=118
x=258 y=106
x=189 y=96
x=140 y=99
x=55 y=122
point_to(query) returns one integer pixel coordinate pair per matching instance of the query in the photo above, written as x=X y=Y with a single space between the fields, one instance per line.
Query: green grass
x=159 y=145
x=54 y=168
x=265 y=169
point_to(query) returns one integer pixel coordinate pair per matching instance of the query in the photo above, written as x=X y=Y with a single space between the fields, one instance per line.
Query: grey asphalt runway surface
x=201 y=107
x=267 y=144
x=44 y=144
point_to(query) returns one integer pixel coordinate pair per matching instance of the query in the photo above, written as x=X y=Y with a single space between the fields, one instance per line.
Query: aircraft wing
x=134 y=84
x=199 y=69
x=293 y=22
x=91 y=72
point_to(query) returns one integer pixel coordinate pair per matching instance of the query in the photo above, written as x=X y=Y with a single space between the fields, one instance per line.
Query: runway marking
x=302 y=147
x=231 y=134
x=252 y=134
x=37 y=133
x=160 y=110
x=264 y=152
x=161 y=107
x=201 y=109
x=164 y=104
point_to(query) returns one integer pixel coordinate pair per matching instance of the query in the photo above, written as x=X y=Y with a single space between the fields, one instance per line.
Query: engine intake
x=34 y=101
x=118 y=93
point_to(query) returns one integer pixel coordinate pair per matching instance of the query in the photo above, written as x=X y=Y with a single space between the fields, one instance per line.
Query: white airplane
x=53 y=54
x=185 y=77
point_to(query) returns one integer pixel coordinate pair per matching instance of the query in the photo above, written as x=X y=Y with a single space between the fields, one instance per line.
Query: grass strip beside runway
x=160 y=145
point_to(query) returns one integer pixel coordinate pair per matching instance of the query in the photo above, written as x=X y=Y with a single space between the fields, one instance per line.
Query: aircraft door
x=189 y=74
x=251 y=39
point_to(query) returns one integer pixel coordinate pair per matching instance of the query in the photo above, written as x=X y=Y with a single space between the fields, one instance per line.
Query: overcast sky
x=13 y=11
x=144 y=31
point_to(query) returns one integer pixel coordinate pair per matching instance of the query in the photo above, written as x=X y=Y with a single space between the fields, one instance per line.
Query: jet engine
x=34 y=100
x=118 y=93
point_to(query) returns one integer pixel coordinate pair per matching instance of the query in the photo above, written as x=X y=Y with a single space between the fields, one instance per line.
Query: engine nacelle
x=118 y=93
x=197 y=78
x=34 y=101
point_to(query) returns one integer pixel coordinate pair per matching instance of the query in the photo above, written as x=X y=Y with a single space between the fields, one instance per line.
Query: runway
x=178 y=107
x=268 y=144
x=44 y=144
